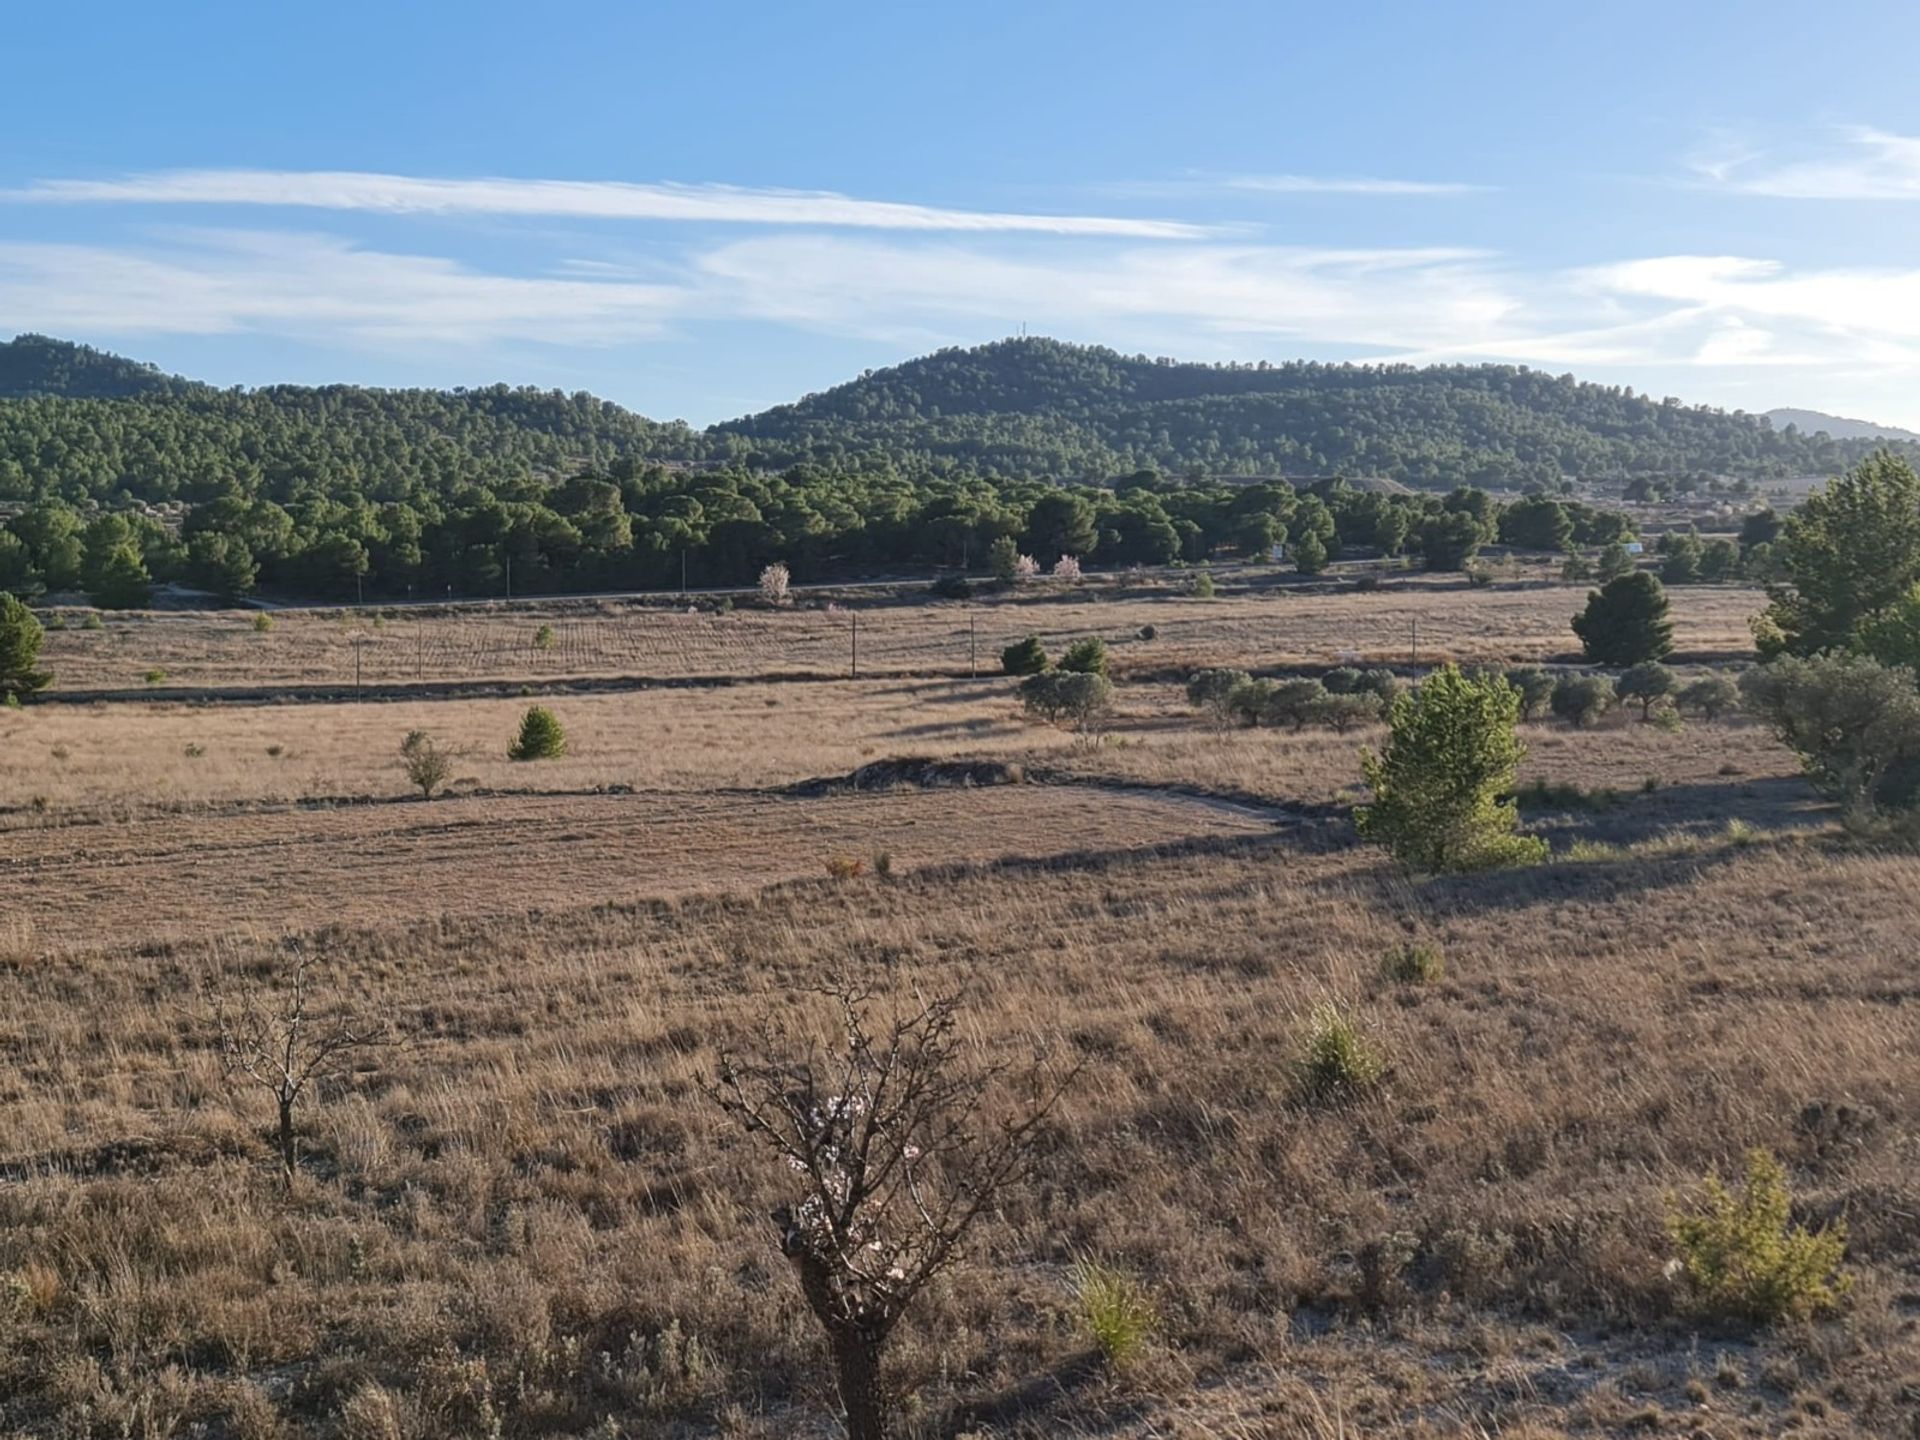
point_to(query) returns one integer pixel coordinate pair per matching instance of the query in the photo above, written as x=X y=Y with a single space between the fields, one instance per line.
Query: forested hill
x=86 y=426
x=83 y=425
x=37 y=365
x=1037 y=406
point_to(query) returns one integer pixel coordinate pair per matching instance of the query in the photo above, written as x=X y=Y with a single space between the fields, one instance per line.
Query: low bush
x=1536 y=688
x=1743 y=1257
x=1336 y=1060
x=1413 y=964
x=1583 y=699
x=1711 y=697
x=1341 y=713
x=540 y=737
x=1086 y=657
x=262 y=623
x=1119 y=1315
x=1293 y=703
x=951 y=587
x=543 y=638
x=1211 y=691
x=845 y=867
x=1203 y=588
x=1025 y=657
x=428 y=767
x=1067 y=695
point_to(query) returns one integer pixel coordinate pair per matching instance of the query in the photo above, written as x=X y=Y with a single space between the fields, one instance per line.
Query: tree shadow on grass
x=1632 y=817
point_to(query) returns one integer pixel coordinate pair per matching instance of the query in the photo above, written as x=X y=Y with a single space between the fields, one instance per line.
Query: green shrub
x=1413 y=964
x=1249 y=700
x=1203 y=586
x=1212 y=691
x=20 y=639
x=1119 y=1314
x=1451 y=753
x=155 y=676
x=1712 y=696
x=1086 y=657
x=1024 y=657
x=1582 y=699
x=1340 y=713
x=1535 y=686
x=1854 y=723
x=1742 y=1256
x=540 y=738
x=1336 y=1060
x=93 y=621
x=1647 y=683
x=951 y=587
x=543 y=638
x=1293 y=703
x=262 y=622
x=1074 y=695
x=1341 y=680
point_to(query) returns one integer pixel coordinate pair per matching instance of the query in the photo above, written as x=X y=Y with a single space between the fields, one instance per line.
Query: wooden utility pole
x=973 y=646
x=854 y=615
x=1414 y=658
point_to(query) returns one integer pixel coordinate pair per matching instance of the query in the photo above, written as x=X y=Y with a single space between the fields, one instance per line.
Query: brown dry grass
x=530 y=1220
x=1284 y=625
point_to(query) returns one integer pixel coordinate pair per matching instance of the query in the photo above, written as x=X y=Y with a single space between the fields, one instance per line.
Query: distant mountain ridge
x=1838 y=426
x=84 y=423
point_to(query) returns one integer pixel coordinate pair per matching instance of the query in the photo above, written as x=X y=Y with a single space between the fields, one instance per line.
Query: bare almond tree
x=893 y=1157
x=286 y=1039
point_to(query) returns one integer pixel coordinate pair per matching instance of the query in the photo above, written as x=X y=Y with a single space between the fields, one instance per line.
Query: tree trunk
x=286 y=1139
x=863 y=1394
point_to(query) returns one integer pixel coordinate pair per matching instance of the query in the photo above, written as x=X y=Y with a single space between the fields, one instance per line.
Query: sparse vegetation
x=1413 y=964
x=428 y=766
x=1118 y=1313
x=1336 y=1060
x=1742 y=1256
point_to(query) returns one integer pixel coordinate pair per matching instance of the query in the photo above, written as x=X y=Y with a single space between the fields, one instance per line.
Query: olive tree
x=1854 y=722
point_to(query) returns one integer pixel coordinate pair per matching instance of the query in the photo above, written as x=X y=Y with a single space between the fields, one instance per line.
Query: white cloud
x=1355 y=297
x=311 y=287
x=1729 y=328
x=1348 y=185
x=1869 y=164
x=574 y=199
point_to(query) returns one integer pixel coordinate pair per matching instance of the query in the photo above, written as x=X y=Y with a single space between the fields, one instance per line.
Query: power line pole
x=683 y=572
x=973 y=646
x=1414 y=659
x=854 y=615
x=509 y=577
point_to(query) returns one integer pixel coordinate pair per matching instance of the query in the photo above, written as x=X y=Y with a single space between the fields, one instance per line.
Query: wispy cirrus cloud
x=1345 y=185
x=1859 y=163
x=571 y=199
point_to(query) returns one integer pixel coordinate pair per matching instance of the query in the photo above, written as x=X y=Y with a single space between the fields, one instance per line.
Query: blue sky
x=701 y=210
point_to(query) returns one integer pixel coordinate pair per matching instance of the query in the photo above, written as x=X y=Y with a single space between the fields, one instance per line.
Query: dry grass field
x=529 y=1218
x=1273 y=625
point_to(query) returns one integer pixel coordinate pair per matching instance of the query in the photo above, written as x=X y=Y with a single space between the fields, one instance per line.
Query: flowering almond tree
x=1067 y=568
x=892 y=1159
